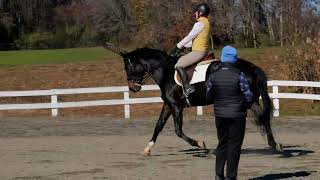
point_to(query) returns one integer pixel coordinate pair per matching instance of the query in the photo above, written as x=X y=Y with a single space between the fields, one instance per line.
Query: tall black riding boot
x=187 y=88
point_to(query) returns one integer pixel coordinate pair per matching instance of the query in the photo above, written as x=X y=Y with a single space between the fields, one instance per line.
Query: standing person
x=229 y=90
x=198 y=39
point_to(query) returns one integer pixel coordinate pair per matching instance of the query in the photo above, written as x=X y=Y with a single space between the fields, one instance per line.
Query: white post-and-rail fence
x=126 y=101
x=276 y=95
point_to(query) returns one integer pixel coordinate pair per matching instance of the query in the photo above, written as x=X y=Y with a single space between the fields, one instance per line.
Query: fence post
x=276 y=104
x=126 y=106
x=54 y=103
x=199 y=111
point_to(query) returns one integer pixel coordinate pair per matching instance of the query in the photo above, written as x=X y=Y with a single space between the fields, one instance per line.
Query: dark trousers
x=230 y=134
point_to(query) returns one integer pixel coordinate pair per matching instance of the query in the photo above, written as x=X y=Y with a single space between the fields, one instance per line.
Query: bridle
x=136 y=80
x=147 y=73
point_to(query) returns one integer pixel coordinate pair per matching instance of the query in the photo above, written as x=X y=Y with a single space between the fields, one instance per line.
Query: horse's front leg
x=165 y=114
x=178 y=122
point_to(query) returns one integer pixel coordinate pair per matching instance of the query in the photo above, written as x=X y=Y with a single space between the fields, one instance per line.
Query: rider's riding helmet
x=203 y=8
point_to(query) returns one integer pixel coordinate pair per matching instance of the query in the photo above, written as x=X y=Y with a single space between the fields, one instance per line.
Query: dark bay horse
x=157 y=64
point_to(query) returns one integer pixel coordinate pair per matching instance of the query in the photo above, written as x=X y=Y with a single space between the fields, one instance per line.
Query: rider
x=198 y=39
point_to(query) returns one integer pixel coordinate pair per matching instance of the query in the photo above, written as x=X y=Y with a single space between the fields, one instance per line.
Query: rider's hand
x=173 y=51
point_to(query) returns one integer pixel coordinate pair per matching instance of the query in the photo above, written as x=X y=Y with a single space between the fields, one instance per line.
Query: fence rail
x=275 y=95
x=54 y=105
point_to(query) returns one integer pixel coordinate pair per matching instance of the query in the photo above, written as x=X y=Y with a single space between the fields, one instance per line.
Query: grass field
x=56 y=56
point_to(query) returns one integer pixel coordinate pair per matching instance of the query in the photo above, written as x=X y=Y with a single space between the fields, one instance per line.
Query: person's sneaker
x=231 y=178
x=219 y=177
x=188 y=89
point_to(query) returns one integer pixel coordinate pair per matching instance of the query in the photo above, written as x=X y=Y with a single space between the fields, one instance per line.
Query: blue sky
x=316 y=4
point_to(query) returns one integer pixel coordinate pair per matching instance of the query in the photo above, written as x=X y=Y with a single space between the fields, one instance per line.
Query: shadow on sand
x=284 y=175
x=288 y=152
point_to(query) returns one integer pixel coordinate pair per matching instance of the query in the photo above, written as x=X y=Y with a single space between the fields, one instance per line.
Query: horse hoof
x=279 y=147
x=202 y=145
x=147 y=152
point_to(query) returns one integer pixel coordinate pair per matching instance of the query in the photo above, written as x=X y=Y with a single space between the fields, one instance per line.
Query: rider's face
x=196 y=14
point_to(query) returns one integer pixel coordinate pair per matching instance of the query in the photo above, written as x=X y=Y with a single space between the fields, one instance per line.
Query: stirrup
x=188 y=90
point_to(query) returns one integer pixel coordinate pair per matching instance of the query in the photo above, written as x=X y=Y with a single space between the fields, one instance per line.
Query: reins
x=148 y=74
x=146 y=77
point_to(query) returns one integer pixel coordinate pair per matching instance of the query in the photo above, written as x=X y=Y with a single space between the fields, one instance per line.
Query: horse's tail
x=262 y=113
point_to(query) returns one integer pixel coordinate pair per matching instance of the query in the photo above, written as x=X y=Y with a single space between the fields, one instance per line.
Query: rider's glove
x=173 y=51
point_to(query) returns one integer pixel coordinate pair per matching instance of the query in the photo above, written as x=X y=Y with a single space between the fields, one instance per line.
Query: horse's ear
x=114 y=49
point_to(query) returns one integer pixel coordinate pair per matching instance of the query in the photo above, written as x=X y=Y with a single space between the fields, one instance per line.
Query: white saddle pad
x=199 y=74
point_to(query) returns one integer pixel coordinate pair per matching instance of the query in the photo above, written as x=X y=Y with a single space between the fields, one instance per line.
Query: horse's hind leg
x=165 y=114
x=271 y=142
x=266 y=125
x=178 y=122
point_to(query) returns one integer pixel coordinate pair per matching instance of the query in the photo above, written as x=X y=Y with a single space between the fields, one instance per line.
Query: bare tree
x=161 y=24
x=269 y=6
x=112 y=19
x=247 y=9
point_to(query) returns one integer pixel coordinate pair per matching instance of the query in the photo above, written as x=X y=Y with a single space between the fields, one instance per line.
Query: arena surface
x=105 y=148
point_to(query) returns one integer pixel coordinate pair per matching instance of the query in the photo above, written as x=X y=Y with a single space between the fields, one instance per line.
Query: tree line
x=154 y=23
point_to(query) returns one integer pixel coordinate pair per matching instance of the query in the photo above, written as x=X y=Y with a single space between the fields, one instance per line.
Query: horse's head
x=135 y=71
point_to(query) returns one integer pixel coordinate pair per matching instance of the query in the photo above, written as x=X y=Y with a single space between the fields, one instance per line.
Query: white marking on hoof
x=147 y=150
x=151 y=144
x=202 y=145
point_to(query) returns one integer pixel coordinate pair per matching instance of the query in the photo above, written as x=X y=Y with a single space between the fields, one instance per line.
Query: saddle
x=196 y=72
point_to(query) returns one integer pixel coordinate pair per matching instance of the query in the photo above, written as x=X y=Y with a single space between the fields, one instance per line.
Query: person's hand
x=174 y=51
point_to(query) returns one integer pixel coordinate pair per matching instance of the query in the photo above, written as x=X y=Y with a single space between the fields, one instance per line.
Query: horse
x=143 y=63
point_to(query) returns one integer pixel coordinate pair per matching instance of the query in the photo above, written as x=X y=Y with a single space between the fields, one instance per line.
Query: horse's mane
x=151 y=54
x=147 y=53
